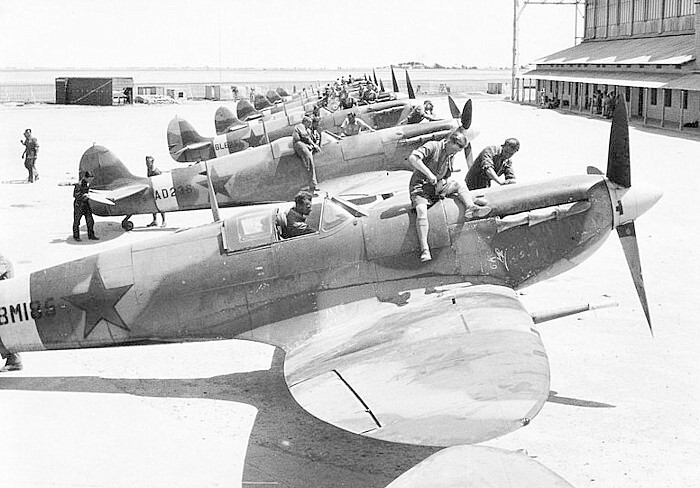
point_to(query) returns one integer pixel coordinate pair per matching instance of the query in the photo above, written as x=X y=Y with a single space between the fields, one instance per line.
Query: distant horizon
x=230 y=68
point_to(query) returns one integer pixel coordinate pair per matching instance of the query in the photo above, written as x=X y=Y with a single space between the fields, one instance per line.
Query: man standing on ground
x=81 y=206
x=31 y=150
x=153 y=171
x=491 y=163
x=431 y=182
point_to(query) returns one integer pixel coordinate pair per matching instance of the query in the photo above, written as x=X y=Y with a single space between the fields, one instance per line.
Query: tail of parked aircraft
x=246 y=111
x=106 y=167
x=185 y=144
x=226 y=121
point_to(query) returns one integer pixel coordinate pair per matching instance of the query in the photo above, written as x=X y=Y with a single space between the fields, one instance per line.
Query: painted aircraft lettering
x=11 y=314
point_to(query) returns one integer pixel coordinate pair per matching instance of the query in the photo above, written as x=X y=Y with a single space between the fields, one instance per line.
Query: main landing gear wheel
x=127 y=224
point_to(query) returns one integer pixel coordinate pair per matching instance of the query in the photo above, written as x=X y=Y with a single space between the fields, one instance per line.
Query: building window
x=684 y=97
x=667 y=98
x=628 y=91
x=653 y=96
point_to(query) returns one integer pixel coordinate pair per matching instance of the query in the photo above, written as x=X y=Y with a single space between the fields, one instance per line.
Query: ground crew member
x=491 y=163
x=31 y=150
x=304 y=147
x=431 y=182
x=153 y=171
x=418 y=113
x=81 y=206
x=13 y=361
x=352 y=125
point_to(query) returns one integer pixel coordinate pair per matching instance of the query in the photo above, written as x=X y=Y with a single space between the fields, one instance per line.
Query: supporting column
x=581 y=98
x=646 y=104
x=663 y=106
x=680 y=119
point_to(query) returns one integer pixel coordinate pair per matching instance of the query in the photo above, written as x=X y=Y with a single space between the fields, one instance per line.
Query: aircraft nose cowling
x=630 y=203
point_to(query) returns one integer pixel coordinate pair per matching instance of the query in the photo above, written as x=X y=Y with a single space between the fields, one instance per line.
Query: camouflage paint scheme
x=272 y=172
x=394 y=355
x=185 y=144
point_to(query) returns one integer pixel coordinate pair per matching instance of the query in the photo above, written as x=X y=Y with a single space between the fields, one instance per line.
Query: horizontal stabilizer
x=192 y=147
x=109 y=197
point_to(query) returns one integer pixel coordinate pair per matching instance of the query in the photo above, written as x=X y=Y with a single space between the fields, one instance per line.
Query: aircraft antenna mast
x=517 y=11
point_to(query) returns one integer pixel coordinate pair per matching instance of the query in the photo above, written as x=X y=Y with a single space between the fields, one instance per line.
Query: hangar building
x=646 y=49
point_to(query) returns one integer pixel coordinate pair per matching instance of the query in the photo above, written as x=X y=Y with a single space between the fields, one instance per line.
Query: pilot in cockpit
x=296 y=224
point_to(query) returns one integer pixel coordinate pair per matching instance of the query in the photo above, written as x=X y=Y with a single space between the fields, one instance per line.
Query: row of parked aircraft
x=396 y=367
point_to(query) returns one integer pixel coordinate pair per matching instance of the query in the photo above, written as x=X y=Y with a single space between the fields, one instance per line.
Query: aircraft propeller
x=629 y=202
x=409 y=88
x=395 y=84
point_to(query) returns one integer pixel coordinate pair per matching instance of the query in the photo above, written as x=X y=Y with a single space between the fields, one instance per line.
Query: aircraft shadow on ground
x=575 y=402
x=288 y=446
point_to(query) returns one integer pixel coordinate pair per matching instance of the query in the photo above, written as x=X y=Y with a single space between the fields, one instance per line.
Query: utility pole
x=517 y=11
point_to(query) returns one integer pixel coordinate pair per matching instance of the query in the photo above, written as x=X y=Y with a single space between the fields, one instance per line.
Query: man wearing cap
x=81 y=206
x=492 y=162
x=418 y=114
x=352 y=125
x=31 y=150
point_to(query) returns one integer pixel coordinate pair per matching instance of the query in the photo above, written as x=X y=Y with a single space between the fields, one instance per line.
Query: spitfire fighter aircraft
x=251 y=128
x=233 y=134
x=408 y=364
x=272 y=172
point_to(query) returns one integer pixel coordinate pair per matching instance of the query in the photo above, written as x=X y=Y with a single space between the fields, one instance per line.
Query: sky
x=276 y=33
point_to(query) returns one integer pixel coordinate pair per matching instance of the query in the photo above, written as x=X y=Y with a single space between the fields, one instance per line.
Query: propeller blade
x=469 y=155
x=409 y=87
x=374 y=74
x=381 y=86
x=467 y=114
x=628 y=238
x=393 y=80
x=454 y=109
x=619 y=150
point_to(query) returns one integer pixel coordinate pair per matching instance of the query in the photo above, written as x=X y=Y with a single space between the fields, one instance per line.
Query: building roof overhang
x=689 y=82
x=648 y=80
x=676 y=49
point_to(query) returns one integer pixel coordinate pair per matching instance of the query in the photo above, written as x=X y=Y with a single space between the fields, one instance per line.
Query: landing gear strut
x=127 y=225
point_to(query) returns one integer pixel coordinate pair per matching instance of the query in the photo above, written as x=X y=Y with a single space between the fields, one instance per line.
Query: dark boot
x=12 y=363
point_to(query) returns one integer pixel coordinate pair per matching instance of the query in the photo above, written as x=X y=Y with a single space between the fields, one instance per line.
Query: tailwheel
x=127 y=224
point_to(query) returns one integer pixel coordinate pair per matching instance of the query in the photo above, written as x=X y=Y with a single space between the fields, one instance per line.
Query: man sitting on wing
x=431 y=182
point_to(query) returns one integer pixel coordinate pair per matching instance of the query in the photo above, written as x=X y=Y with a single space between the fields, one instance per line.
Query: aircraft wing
x=438 y=367
x=108 y=197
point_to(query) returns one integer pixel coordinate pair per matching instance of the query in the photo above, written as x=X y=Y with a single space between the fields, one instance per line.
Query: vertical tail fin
x=226 y=121
x=185 y=144
x=106 y=167
x=245 y=110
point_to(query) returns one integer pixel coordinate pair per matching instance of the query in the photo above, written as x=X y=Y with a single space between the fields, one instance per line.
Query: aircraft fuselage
x=238 y=278
x=272 y=172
